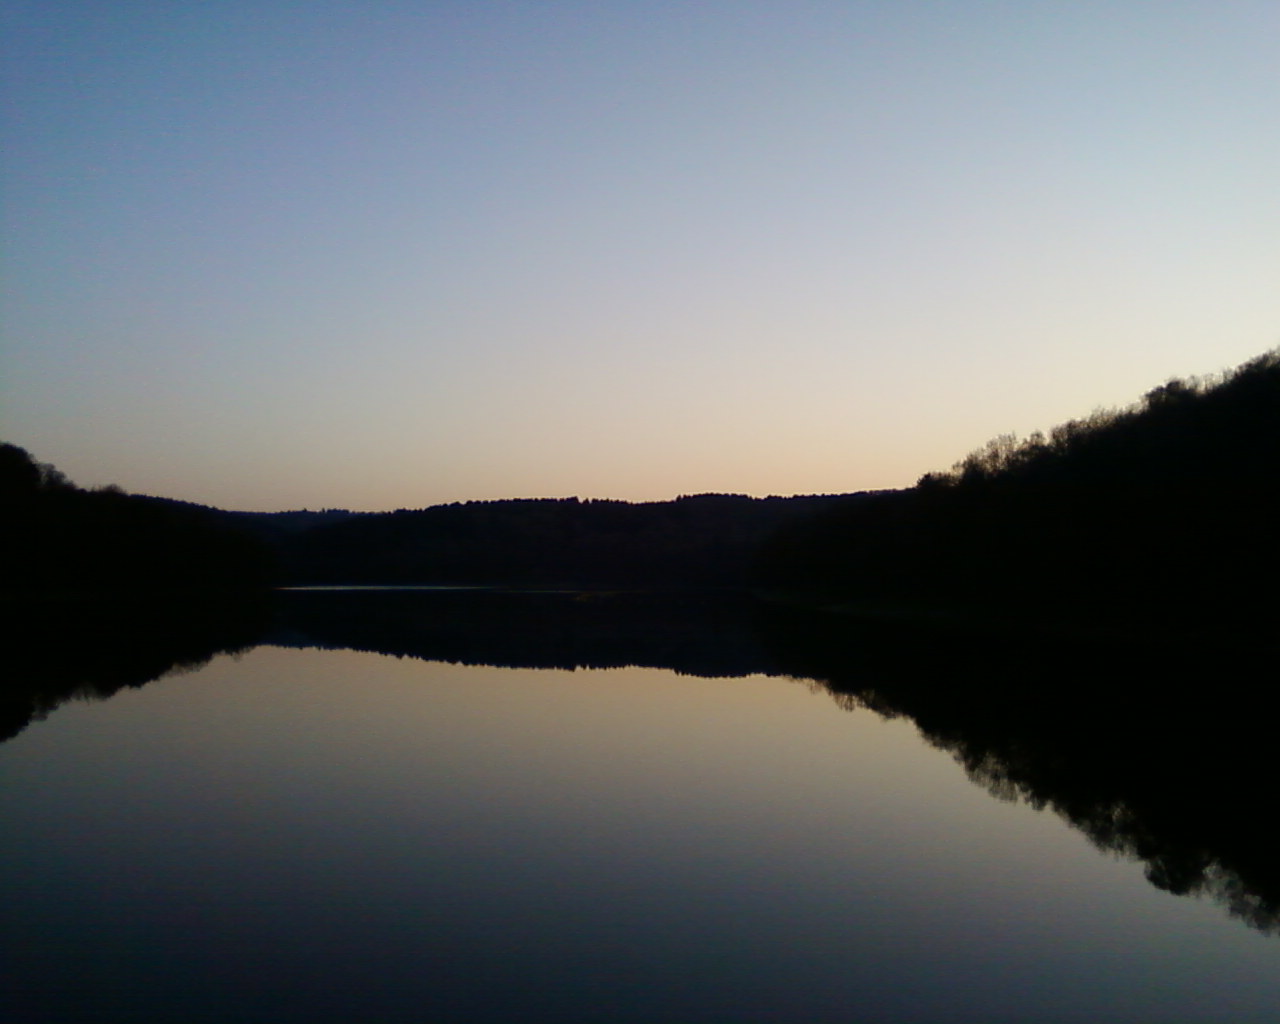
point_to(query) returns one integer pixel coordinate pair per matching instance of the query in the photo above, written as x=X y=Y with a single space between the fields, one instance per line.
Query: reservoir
x=304 y=831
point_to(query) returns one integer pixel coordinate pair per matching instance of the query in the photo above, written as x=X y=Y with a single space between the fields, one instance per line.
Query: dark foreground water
x=296 y=834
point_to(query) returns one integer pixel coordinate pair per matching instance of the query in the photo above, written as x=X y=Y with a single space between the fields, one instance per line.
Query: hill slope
x=1160 y=514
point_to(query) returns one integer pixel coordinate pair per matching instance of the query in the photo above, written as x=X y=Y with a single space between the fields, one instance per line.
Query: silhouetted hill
x=700 y=540
x=58 y=539
x=1159 y=515
x=58 y=536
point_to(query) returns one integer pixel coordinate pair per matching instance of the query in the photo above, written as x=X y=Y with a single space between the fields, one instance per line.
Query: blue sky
x=386 y=254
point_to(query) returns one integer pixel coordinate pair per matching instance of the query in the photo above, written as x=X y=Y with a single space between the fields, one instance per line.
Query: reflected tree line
x=1158 y=753
x=1161 y=752
x=697 y=633
x=86 y=648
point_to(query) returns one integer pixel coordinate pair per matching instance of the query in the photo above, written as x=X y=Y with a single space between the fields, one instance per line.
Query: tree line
x=1161 y=513
x=705 y=540
x=57 y=539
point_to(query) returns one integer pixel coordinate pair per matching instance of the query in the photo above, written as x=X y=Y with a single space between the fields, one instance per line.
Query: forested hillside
x=59 y=539
x=700 y=540
x=1161 y=514
x=58 y=536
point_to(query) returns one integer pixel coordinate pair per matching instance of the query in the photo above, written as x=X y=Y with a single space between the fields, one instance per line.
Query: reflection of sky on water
x=297 y=833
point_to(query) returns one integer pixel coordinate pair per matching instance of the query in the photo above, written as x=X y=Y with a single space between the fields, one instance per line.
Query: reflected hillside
x=91 y=648
x=1161 y=753
x=694 y=633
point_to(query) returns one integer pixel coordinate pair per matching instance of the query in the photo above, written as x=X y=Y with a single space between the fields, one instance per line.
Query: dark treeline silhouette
x=1164 y=513
x=1158 y=752
x=57 y=539
x=694 y=541
x=89 y=648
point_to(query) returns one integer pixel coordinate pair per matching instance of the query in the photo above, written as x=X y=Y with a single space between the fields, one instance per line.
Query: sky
x=391 y=253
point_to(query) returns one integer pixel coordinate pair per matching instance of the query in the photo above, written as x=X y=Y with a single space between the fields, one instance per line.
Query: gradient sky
x=271 y=254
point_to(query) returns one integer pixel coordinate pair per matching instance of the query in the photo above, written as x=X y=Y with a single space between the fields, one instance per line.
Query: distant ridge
x=705 y=540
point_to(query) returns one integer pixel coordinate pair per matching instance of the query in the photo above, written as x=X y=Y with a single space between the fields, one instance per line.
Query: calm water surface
x=316 y=835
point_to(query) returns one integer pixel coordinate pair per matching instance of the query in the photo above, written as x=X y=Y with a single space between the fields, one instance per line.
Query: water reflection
x=1159 y=751
x=696 y=633
x=88 y=648
x=1159 y=754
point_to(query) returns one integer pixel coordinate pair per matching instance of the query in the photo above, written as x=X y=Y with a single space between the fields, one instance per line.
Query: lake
x=302 y=831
